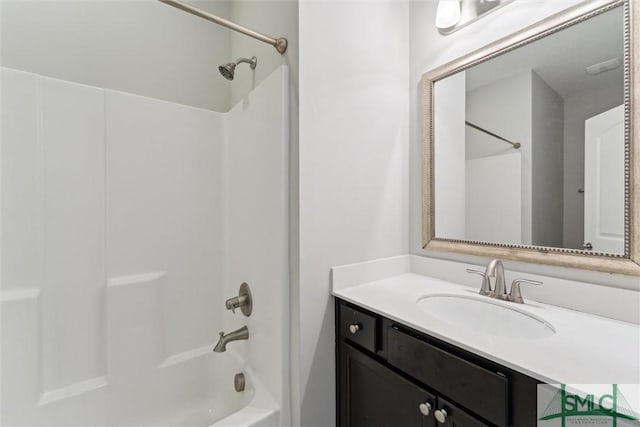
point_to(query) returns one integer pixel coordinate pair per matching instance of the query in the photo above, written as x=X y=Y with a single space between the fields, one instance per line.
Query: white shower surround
x=111 y=203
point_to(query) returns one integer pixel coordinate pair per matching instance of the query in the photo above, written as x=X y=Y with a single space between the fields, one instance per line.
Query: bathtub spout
x=240 y=334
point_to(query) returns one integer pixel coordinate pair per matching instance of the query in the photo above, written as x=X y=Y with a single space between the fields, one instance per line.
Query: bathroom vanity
x=392 y=375
x=416 y=350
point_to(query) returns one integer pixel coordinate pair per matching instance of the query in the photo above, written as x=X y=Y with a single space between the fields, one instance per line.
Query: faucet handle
x=485 y=289
x=515 y=295
x=243 y=301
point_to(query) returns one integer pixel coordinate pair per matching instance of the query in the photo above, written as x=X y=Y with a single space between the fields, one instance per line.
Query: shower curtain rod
x=280 y=43
x=515 y=144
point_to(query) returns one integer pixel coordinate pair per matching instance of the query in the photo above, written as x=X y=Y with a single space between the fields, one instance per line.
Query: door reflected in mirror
x=529 y=146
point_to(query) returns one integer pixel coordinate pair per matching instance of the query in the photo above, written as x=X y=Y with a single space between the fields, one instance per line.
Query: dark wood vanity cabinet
x=391 y=375
x=378 y=397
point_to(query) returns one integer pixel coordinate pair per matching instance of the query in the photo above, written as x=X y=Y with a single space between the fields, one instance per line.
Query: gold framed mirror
x=531 y=145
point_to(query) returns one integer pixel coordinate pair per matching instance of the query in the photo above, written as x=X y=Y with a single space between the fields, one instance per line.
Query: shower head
x=228 y=70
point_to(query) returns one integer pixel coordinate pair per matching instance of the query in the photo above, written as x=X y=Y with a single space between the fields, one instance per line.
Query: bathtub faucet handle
x=243 y=301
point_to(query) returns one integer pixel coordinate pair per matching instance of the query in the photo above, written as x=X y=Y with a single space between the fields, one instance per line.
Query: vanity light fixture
x=451 y=15
x=447 y=14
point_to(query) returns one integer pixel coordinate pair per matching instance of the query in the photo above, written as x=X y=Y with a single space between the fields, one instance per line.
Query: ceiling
x=560 y=59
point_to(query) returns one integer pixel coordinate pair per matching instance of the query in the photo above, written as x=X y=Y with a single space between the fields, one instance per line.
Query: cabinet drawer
x=358 y=327
x=476 y=388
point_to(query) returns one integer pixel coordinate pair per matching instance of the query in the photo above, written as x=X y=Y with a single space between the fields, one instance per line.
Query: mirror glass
x=529 y=146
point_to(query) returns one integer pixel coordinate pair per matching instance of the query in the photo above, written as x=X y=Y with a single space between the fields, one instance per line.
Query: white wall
x=526 y=110
x=522 y=108
x=504 y=108
x=496 y=215
x=278 y=18
x=547 y=154
x=139 y=46
x=449 y=102
x=429 y=49
x=353 y=168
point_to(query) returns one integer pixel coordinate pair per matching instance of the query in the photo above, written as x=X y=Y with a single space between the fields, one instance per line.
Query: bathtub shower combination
x=127 y=222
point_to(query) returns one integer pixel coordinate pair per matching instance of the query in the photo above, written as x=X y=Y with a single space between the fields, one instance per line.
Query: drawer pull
x=425 y=408
x=355 y=327
x=441 y=415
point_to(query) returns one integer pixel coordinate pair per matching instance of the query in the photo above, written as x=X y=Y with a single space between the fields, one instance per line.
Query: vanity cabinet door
x=371 y=395
x=449 y=415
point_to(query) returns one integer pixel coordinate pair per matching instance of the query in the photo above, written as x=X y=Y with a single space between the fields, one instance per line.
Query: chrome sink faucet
x=496 y=269
x=239 y=334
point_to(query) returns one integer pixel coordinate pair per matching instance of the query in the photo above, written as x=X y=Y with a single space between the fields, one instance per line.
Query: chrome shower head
x=228 y=70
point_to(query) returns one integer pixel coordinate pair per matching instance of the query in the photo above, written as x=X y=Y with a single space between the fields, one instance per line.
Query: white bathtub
x=253 y=407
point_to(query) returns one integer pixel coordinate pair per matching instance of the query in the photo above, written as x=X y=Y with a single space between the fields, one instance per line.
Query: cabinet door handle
x=425 y=408
x=441 y=415
x=354 y=328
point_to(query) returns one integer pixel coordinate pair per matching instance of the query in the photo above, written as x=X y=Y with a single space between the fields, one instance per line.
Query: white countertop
x=586 y=349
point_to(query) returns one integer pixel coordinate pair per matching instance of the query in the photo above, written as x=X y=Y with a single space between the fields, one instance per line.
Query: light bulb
x=447 y=14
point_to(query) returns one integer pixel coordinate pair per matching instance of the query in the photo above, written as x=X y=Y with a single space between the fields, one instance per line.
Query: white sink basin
x=485 y=316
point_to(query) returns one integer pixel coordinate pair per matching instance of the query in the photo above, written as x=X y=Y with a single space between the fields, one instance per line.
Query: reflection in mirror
x=529 y=145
